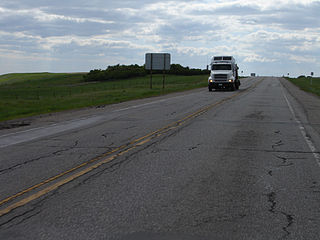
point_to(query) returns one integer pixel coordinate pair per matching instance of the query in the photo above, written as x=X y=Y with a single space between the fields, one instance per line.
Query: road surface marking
x=104 y=159
x=303 y=131
x=151 y=103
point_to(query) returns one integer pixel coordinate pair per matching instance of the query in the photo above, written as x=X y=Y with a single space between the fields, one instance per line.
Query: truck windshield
x=221 y=67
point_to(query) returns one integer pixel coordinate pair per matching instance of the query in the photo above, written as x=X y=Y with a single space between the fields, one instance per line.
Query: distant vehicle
x=253 y=74
x=224 y=73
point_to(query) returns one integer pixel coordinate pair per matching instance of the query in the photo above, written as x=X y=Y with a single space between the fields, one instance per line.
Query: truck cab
x=224 y=73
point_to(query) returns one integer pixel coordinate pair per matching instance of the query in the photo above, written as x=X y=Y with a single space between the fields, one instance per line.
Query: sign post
x=157 y=61
x=311 y=78
x=164 y=72
x=151 y=71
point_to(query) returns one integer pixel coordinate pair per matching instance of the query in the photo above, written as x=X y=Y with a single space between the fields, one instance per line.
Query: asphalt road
x=193 y=165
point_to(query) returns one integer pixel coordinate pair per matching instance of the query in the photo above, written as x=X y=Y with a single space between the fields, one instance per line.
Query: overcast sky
x=269 y=37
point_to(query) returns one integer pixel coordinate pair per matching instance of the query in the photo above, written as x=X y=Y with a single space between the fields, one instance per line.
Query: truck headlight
x=230 y=80
x=210 y=80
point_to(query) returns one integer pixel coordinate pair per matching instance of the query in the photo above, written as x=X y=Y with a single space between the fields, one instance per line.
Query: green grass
x=22 y=77
x=305 y=84
x=23 y=95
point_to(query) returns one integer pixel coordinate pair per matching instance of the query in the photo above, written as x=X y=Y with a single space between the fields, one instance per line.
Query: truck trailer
x=224 y=73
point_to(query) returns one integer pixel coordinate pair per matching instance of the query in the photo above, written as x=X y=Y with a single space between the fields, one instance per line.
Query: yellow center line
x=58 y=176
x=104 y=159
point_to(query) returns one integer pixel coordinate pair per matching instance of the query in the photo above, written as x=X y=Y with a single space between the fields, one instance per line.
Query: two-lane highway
x=219 y=165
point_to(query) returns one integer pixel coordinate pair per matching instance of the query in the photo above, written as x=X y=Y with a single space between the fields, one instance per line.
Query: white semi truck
x=224 y=73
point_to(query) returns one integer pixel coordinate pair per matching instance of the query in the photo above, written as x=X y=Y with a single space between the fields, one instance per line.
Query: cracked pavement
x=241 y=170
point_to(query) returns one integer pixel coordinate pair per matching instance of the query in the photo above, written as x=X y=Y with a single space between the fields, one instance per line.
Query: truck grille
x=220 y=77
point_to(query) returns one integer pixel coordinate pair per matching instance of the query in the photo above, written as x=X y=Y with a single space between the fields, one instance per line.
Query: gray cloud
x=235 y=10
x=297 y=17
x=184 y=30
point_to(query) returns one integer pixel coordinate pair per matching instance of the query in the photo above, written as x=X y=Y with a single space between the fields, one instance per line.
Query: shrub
x=116 y=72
x=129 y=71
x=177 y=69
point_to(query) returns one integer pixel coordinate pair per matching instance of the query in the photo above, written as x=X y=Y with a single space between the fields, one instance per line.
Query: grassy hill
x=21 y=77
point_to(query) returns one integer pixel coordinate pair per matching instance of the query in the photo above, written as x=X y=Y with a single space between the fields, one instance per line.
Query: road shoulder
x=309 y=102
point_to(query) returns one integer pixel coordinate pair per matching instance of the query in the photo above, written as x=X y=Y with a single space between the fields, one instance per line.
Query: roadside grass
x=23 y=95
x=307 y=84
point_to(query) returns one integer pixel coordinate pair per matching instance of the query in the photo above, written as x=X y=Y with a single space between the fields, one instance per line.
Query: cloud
x=254 y=31
x=42 y=16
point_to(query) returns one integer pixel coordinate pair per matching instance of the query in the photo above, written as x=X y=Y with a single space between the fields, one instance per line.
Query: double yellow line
x=100 y=160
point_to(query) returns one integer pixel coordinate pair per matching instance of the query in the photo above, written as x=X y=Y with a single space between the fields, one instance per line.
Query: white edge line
x=140 y=105
x=303 y=131
x=28 y=130
x=153 y=102
x=51 y=125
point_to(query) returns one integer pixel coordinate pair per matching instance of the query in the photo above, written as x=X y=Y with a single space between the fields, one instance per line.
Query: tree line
x=129 y=71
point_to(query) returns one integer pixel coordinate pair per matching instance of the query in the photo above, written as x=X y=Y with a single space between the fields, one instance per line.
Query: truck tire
x=210 y=89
